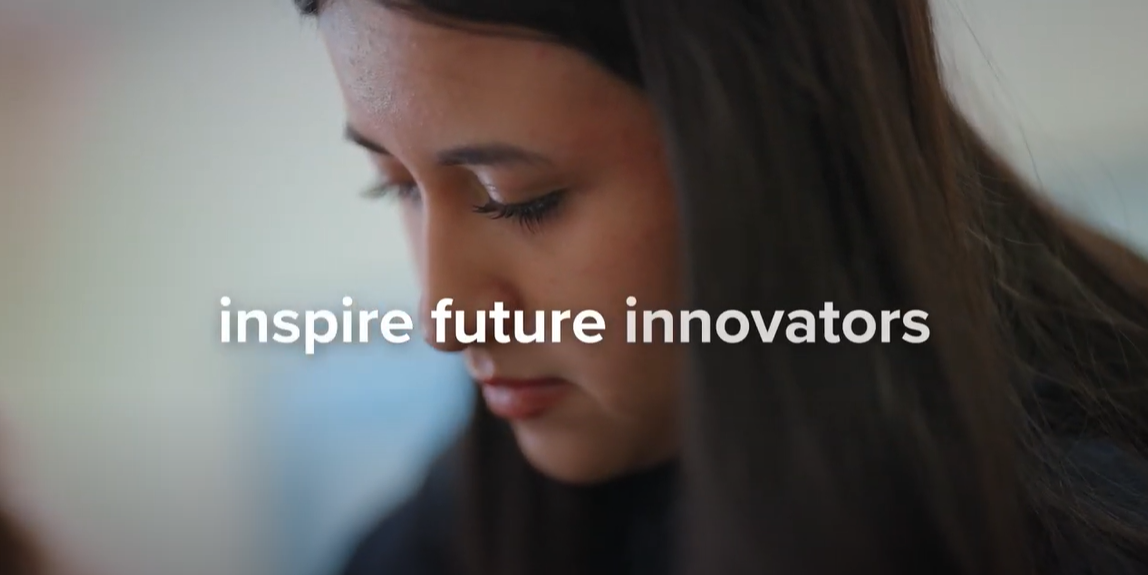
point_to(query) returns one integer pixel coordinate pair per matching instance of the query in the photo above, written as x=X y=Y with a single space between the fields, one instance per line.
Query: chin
x=576 y=461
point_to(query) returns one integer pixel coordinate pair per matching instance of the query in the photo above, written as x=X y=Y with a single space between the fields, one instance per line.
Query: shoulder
x=414 y=538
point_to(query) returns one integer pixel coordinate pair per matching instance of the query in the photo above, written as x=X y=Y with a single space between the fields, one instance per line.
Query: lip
x=519 y=399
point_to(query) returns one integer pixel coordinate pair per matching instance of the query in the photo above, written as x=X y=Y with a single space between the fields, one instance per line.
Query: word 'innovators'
x=588 y=326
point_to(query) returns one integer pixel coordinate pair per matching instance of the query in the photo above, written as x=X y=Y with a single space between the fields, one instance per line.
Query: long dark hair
x=818 y=158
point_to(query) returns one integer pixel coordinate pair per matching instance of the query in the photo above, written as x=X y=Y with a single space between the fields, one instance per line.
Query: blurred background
x=156 y=155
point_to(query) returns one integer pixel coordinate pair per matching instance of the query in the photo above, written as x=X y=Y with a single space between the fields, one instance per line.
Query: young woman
x=743 y=155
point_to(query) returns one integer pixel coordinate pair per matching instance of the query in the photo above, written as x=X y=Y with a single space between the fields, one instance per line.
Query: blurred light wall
x=1059 y=86
x=202 y=157
x=190 y=150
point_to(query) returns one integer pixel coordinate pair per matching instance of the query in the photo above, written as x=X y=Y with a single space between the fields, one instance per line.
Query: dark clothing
x=414 y=539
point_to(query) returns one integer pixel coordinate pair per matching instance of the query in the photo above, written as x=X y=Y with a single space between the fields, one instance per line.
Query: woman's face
x=456 y=119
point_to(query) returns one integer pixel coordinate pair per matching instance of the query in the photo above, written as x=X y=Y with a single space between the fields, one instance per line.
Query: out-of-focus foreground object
x=41 y=57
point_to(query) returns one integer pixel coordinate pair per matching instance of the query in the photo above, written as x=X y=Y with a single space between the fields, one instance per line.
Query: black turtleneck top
x=415 y=538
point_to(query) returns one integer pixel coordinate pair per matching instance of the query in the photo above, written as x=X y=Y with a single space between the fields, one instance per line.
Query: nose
x=457 y=265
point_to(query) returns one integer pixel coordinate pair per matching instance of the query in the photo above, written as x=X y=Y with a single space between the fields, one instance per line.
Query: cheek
x=638 y=247
x=629 y=247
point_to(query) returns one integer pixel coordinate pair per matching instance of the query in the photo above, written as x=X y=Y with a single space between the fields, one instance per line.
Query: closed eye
x=396 y=190
x=530 y=213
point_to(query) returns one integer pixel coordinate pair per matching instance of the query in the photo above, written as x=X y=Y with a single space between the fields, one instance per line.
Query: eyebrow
x=493 y=154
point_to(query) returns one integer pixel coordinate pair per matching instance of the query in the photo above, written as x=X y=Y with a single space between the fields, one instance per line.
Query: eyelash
x=530 y=214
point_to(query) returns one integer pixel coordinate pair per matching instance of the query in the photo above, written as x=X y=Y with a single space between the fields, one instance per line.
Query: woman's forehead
x=406 y=79
x=379 y=49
